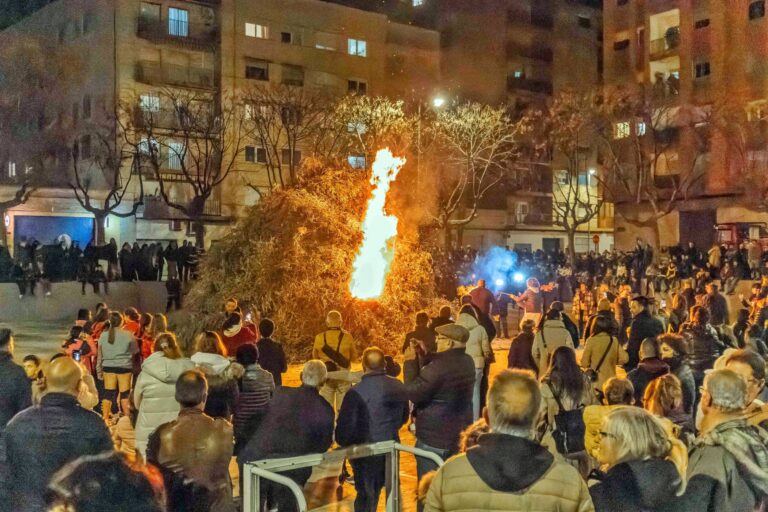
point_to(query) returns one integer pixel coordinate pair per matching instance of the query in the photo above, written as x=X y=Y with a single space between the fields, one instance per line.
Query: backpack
x=569 y=428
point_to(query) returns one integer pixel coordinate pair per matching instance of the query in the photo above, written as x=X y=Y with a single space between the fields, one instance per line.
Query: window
x=356 y=47
x=293 y=75
x=149 y=102
x=145 y=149
x=286 y=37
x=87 y=106
x=640 y=128
x=702 y=23
x=621 y=130
x=757 y=10
x=356 y=161
x=701 y=69
x=518 y=73
x=178 y=22
x=257 y=31
x=326 y=41
x=621 y=45
x=257 y=71
x=255 y=155
x=417 y=3
x=584 y=21
x=85 y=147
x=357 y=87
x=252 y=110
x=563 y=178
x=290 y=115
x=175 y=155
x=11 y=169
x=285 y=157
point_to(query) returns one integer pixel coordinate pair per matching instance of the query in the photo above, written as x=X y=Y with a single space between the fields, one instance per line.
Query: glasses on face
x=602 y=435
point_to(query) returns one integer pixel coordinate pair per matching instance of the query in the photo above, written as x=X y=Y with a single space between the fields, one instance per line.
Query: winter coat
x=593 y=422
x=531 y=301
x=643 y=326
x=583 y=301
x=638 y=486
x=507 y=474
x=552 y=335
x=703 y=347
x=17 y=391
x=223 y=391
x=42 y=439
x=483 y=299
x=372 y=411
x=154 y=394
x=256 y=390
x=118 y=354
x=713 y=257
x=425 y=335
x=646 y=371
x=197 y=448
x=594 y=349
x=272 y=359
x=478 y=347
x=520 y=352
x=240 y=334
x=441 y=392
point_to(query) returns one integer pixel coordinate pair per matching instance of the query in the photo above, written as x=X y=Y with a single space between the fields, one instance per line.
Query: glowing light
x=438 y=102
x=518 y=277
x=370 y=268
x=499 y=283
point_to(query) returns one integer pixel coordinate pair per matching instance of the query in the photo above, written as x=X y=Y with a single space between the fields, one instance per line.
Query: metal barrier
x=269 y=469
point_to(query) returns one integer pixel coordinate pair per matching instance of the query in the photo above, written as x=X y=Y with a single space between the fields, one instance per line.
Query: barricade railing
x=270 y=469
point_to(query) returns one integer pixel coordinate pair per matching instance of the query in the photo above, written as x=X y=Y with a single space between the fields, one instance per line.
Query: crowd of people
x=661 y=409
x=35 y=266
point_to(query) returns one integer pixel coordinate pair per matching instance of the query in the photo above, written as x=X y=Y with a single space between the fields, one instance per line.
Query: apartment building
x=693 y=56
x=134 y=50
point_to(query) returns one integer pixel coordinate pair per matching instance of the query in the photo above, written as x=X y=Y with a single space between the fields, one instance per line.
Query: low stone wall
x=67 y=298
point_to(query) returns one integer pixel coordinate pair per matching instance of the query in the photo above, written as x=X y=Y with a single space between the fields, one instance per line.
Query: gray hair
x=314 y=373
x=727 y=389
x=514 y=399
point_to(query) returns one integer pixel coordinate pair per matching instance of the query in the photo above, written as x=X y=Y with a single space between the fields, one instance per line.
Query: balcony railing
x=155 y=208
x=530 y=52
x=531 y=219
x=663 y=47
x=185 y=76
x=537 y=19
x=537 y=86
x=193 y=35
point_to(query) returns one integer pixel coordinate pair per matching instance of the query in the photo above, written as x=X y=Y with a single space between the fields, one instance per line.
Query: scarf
x=747 y=445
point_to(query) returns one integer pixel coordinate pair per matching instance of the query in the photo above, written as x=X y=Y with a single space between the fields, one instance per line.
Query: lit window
x=701 y=69
x=563 y=178
x=149 y=102
x=418 y=3
x=178 y=22
x=641 y=128
x=11 y=169
x=258 y=31
x=518 y=73
x=175 y=155
x=144 y=146
x=357 y=47
x=357 y=86
x=621 y=130
x=356 y=161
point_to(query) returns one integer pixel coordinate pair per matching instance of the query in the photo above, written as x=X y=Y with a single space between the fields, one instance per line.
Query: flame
x=379 y=230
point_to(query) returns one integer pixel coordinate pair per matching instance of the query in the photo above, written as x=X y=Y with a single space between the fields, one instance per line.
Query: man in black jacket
x=372 y=411
x=717 y=305
x=643 y=326
x=271 y=354
x=298 y=422
x=442 y=395
x=42 y=439
x=649 y=368
x=16 y=396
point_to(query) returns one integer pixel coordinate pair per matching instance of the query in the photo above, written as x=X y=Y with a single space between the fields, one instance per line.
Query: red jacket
x=235 y=337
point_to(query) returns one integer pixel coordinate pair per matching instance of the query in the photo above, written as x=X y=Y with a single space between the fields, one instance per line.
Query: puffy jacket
x=507 y=474
x=478 y=347
x=594 y=349
x=223 y=391
x=197 y=448
x=42 y=439
x=256 y=390
x=638 y=486
x=154 y=394
x=703 y=346
x=442 y=395
x=551 y=336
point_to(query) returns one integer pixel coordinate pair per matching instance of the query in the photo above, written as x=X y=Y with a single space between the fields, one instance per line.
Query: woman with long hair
x=645 y=465
x=678 y=315
x=114 y=364
x=222 y=374
x=664 y=399
x=154 y=396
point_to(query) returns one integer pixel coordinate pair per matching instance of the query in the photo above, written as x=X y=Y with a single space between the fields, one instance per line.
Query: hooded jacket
x=638 y=486
x=552 y=335
x=507 y=473
x=154 y=394
x=647 y=370
x=222 y=375
x=478 y=347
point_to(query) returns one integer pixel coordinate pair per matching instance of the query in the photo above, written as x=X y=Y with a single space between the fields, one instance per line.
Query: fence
x=253 y=472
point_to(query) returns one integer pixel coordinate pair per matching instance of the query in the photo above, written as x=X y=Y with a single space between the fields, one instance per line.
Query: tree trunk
x=198 y=227
x=98 y=228
x=572 y=244
x=447 y=237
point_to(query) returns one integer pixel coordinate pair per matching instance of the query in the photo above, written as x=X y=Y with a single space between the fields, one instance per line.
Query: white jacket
x=154 y=395
x=478 y=347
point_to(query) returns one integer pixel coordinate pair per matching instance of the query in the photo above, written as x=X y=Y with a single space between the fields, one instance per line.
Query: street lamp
x=437 y=103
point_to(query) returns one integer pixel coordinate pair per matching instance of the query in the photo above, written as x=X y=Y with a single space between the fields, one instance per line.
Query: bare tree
x=477 y=145
x=639 y=140
x=196 y=144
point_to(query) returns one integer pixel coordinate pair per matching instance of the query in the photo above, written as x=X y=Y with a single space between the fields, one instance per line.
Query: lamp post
x=437 y=103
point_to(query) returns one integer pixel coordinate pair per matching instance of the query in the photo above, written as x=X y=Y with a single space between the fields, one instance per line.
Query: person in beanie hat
x=441 y=392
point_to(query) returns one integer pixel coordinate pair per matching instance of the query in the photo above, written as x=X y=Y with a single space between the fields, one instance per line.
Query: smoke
x=497 y=266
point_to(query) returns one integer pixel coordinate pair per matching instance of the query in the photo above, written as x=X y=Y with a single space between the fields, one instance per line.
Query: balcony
x=535 y=86
x=155 y=208
x=196 y=36
x=537 y=19
x=155 y=73
x=664 y=47
x=531 y=219
x=166 y=119
x=534 y=52
x=666 y=87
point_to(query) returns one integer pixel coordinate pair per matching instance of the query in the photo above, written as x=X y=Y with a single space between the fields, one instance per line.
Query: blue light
x=518 y=277
x=499 y=283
